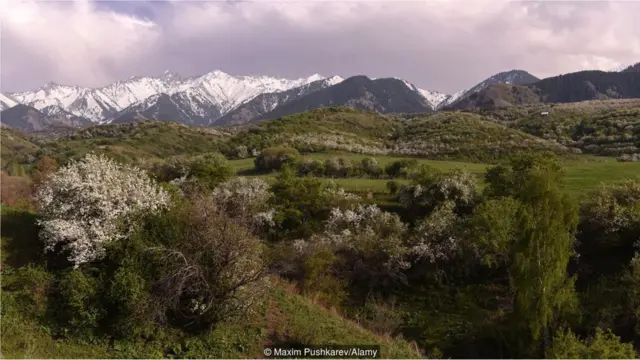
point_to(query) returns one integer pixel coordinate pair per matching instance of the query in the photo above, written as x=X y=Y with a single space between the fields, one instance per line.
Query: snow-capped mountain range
x=204 y=99
x=99 y=105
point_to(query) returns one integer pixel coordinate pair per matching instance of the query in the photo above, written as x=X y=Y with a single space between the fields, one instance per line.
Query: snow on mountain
x=433 y=98
x=7 y=102
x=216 y=88
x=267 y=102
x=452 y=98
x=512 y=77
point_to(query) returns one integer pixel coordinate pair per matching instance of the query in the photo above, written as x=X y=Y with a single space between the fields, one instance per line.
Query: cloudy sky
x=439 y=45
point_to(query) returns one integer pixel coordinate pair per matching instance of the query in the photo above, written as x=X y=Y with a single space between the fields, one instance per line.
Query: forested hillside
x=498 y=233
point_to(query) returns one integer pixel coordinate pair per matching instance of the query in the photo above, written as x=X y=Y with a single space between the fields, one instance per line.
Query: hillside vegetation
x=609 y=128
x=165 y=241
x=284 y=317
x=319 y=130
x=455 y=135
x=145 y=142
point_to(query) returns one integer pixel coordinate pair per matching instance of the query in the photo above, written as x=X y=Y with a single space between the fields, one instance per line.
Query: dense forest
x=161 y=240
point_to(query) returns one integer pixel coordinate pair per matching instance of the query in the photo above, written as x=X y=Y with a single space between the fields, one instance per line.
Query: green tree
x=537 y=244
x=275 y=158
x=603 y=345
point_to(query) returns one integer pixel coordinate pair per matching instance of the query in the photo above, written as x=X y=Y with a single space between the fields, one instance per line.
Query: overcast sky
x=437 y=45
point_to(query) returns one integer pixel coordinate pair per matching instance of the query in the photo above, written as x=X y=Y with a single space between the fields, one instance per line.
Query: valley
x=354 y=225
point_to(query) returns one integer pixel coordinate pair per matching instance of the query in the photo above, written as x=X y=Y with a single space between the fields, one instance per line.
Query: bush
x=400 y=168
x=371 y=168
x=43 y=170
x=83 y=203
x=275 y=158
x=370 y=246
x=430 y=188
x=302 y=204
x=129 y=304
x=30 y=286
x=15 y=191
x=320 y=278
x=629 y=157
x=206 y=170
x=603 y=345
x=242 y=198
x=76 y=303
x=338 y=167
x=202 y=265
x=311 y=167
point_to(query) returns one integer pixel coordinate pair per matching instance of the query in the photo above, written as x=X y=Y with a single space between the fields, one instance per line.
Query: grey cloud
x=441 y=46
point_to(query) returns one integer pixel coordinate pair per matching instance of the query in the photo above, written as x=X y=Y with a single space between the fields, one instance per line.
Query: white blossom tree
x=82 y=205
x=370 y=242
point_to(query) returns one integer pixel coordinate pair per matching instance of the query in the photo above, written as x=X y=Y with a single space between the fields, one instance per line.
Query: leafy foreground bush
x=83 y=203
x=199 y=265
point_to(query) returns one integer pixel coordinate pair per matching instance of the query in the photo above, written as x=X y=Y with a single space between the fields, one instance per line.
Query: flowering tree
x=82 y=203
x=369 y=241
x=245 y=198
x=430 y=188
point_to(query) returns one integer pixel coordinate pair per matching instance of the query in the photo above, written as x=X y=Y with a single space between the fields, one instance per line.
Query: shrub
x=371 y=168
x=311 y=167
x=275 y=158
x=393 y=187
x=370 y=244
x=302 y=204
x=629 y=157
x=320 y=278
x=400 y=168
x=206 y=170
x=203 y=266
x=43 y=170
x=435 y=237
x=338 y=167
x=129 y=304
x=76 y=303
x=430 y=188
x=82 y=204
x=30 y=286
x=603 y=345
x=210 y=169
x=242 y=197
x=15 y=191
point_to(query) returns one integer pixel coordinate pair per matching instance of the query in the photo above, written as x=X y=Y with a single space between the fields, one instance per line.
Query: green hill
x=457 y=135
x=140 y=143
x=602 y=127
x=16 y=149
x=337 y=128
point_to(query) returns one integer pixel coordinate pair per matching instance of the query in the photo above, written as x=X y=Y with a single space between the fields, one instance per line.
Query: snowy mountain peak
x=7 y=102
x=433 y=98
x=215 y=89
x=315 y=77
x=334 y=80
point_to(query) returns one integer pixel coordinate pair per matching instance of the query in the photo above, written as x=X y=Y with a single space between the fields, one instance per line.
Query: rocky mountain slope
x=215 y=89
x=217 y=98
x=381 y=95
x=27 y=118
x=513 y=77
x=566 y=88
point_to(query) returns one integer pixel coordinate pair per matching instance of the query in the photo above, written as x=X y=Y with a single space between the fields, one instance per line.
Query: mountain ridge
x=217 y=98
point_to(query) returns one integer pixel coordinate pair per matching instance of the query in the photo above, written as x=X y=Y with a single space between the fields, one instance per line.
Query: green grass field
x=583 y=173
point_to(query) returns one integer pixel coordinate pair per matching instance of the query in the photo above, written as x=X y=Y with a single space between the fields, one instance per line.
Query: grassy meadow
x=582 y=173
